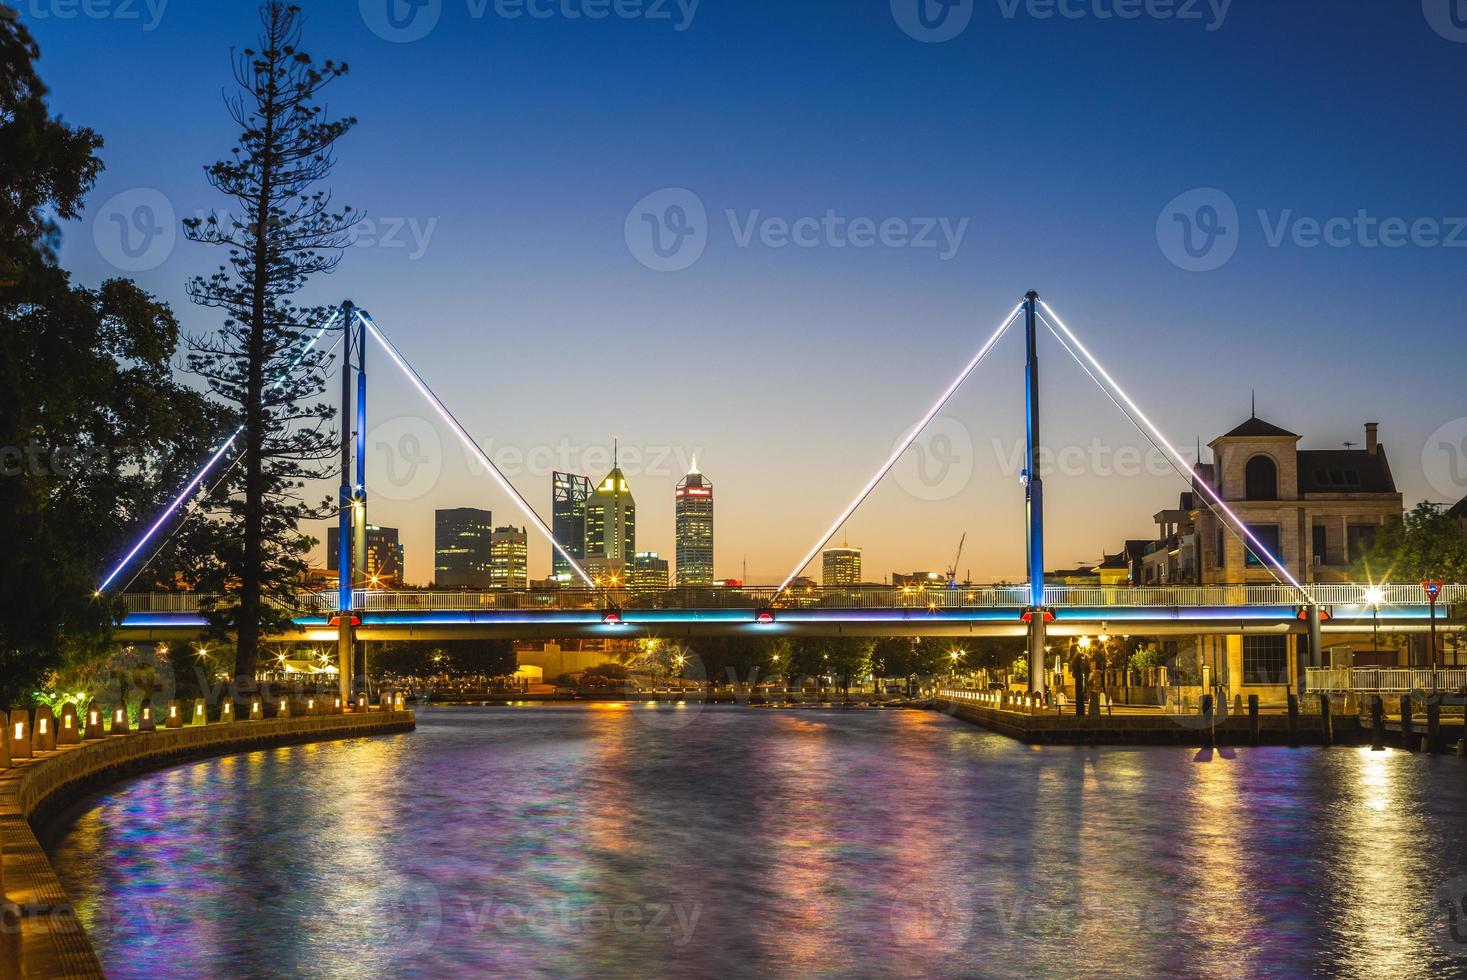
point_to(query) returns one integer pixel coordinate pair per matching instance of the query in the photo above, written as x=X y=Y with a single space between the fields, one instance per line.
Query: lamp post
x=1433 y=592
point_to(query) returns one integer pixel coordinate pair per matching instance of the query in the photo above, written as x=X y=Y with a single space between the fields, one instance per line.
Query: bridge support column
x=1034 y=490
x=345 y=587
x=1316 y=647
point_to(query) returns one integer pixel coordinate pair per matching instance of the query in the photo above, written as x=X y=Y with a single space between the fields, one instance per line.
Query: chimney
x=1372 y=437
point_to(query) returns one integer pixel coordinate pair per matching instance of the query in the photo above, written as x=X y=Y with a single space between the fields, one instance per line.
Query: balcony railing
x=1346 y=599
x=1383 y=680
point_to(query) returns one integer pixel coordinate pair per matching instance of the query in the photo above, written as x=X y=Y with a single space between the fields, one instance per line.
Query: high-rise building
x=461 y=548
x=842 y=566
x=385 y=556
x=611 y=518
x=569 y=494
x=693 y=527
x=647 y=573
x=509 y=561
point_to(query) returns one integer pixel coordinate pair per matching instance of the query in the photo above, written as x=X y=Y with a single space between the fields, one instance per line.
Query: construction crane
x=952 y=570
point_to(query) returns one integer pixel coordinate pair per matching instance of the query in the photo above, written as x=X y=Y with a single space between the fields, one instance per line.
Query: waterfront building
x=386 y=558
x=509 y=563
x=841 y=566
x=693 y=528
x=461 y=537
x=569 y=493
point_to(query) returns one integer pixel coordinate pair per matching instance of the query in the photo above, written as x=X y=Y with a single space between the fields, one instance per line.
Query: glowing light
x=193 y=485
x=473 y=447
x=897 y=453
x=1177 y=457
x=1374 y=595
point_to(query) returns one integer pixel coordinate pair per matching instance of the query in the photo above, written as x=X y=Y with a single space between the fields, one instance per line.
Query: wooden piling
x=1327 y=720
x=1254 y=723
x=1209 y=720
x=1377 y=724
x=1293 y=719
x=1433 y=724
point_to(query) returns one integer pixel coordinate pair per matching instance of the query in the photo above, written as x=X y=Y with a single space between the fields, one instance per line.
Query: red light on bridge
x=1325 y=613
x=611 y=617
x=336 y=621
x=764 y=616
x=1028 y=615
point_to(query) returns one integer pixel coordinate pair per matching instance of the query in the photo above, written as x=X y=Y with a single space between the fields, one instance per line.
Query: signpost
x=1433 y=592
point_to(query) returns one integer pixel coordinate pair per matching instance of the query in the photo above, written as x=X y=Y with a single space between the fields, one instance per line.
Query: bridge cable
x=1174 y=456
x=426 y=392
x=198 y=477
x=902 y=448
x=234 y=464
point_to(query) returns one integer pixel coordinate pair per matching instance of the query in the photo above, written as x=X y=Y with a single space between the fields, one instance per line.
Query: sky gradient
x=501 y=158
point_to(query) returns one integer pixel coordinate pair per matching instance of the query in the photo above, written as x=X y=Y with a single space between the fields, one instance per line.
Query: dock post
x=1377 y=724
x=1327 y=719
x=1408 y=725
x=1293 y=719
x=1433 y=724
x=1254 y=723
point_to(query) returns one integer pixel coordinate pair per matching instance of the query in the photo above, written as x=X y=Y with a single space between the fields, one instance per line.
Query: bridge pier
x=1034 y=491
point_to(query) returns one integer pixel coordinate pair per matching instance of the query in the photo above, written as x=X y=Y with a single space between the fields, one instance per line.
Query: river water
x=620 y=840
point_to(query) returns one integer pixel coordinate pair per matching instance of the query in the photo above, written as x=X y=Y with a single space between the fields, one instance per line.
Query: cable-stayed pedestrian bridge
x=859 y=610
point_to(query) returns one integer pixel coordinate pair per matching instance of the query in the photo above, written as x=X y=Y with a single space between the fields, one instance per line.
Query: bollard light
x=41 y=727
x=20 y=730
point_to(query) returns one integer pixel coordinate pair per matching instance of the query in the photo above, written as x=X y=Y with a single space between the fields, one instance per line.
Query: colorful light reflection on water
x=666 y=841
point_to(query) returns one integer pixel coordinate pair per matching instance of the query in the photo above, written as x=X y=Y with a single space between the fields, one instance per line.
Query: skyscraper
x=461 y=547
x=647 y=573
x=842 y=566
x=569 y=494
x=385 y=556
x=509 y=563
x=611 y=518
x=693 y=527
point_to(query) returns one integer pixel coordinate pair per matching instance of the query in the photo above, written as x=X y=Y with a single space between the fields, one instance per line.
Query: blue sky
x=500 y=158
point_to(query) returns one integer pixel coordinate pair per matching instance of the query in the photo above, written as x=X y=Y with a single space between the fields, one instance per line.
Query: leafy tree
x=95 y=433
x=286 y=232
x=1427 y=543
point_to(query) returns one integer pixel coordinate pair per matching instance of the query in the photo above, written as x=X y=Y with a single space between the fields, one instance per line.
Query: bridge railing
x=1344 y=597
x=1383 y=680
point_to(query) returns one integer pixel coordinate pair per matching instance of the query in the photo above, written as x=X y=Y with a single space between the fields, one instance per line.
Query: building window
x=1261 y=479
x=1265 y=659
x=1270 y=536
x=1321 y=544
x=1359 y=539
x=1222 y=550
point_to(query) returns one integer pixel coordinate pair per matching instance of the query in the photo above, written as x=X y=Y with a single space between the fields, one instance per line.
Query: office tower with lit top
x=647 y=574
x=509 y=562
x=842 y=566
x=461 y=547
x=569 y=493
x=693 y=528
x=611 y=518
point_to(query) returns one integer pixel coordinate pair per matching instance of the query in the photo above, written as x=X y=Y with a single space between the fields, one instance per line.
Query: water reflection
x=632 y=841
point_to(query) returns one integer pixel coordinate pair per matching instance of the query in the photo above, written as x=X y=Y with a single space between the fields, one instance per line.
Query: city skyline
x=813 y=348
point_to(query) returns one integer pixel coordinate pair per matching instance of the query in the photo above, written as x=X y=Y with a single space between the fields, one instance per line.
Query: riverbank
x=40 y=932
